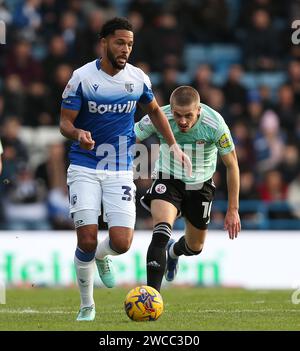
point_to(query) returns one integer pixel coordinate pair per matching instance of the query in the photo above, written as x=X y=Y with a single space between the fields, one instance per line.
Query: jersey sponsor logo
x=129 y=86
x=67 y=90
x=160 y=188
x=225 y=141
x=115 y=108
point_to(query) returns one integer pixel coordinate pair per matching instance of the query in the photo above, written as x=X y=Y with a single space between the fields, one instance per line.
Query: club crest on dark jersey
x=129 y=87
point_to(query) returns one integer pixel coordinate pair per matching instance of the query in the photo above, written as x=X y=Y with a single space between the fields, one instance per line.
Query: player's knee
x=88 y=244
x=121 y=245
x=87 y=240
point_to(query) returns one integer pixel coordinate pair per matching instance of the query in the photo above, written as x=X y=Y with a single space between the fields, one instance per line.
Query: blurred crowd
x=256 y=89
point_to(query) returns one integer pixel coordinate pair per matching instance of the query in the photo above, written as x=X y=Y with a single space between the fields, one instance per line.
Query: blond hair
x=184 y=95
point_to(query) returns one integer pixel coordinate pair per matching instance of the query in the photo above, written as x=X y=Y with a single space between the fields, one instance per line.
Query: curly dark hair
x=114 y=24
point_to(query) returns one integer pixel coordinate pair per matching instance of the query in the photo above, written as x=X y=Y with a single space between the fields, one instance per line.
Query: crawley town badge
x=129 y=86
x=160 y=188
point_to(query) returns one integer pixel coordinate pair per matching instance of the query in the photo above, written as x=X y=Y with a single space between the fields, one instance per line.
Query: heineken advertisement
x=254 y=260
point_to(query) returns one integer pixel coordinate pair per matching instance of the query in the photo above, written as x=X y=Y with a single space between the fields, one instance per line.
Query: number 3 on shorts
x=127 y=192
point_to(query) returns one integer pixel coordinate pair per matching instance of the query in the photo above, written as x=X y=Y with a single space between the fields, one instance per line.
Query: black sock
x=156 y=255
x=181 y=248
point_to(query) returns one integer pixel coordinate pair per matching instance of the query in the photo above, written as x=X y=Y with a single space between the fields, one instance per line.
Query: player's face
x=118 y=48
x=186 y=116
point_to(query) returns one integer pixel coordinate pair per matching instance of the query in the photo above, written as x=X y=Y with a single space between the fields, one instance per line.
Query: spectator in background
x=255 y=110
x=147 y=8
x=250 y=6
x=141 y=46
x=57 y=55
x=294 y=80
x=273 y=190
x=27 y=18
x=21 y=63
x=235 y=92
x=248 y=188
x=50 y=11
x=261 y=44
x=216 y=100
x=243 y=141
x=273 y=187
x=268 y=142
x=286 y=109
x=87 y=39
x=249 y=191
x=68 y=30
x=13 y=96
x=37 y=107
x=203 y=81
x=290 y=165
x=209 y=21
x=168 y=83
x=266 y=98
x=167 y=48
x=52 y=172
x=14 y=151
x=62 y=75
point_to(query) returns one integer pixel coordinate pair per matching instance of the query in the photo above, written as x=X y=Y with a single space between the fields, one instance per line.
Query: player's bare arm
x=161 y=123
x=232 y=219
x=68 y=130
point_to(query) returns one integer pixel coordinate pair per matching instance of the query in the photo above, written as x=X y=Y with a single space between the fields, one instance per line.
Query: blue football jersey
x=106 y=106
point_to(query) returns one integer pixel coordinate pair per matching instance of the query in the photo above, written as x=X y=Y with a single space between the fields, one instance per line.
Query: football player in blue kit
x=97 y=113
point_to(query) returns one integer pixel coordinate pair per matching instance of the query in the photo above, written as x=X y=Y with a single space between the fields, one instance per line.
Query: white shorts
x=114 y=190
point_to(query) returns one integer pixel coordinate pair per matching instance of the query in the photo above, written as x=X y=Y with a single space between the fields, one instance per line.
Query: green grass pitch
x=185 y=308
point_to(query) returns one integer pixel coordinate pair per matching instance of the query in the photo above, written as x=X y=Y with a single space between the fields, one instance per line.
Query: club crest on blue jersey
x=129 y=86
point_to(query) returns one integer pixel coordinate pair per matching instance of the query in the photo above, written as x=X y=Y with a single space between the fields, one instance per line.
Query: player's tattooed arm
x=67 y=129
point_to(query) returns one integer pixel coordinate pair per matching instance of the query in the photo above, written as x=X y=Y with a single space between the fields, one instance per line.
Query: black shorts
x=193 y=204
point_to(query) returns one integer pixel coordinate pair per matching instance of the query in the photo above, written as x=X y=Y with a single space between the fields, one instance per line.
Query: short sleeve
x=147 y=95
x=72 y=95
x=223 y=139
x=144 y=128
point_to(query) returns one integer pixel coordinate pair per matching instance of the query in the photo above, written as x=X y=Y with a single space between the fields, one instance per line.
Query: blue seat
x=195 y=55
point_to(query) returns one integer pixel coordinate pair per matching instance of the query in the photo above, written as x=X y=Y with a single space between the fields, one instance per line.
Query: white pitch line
x=30 y=311
x=241 y=311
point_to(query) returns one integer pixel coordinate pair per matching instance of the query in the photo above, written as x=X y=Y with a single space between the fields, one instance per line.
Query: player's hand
x=85 y=140
x=232 y=223
x=183 y=158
